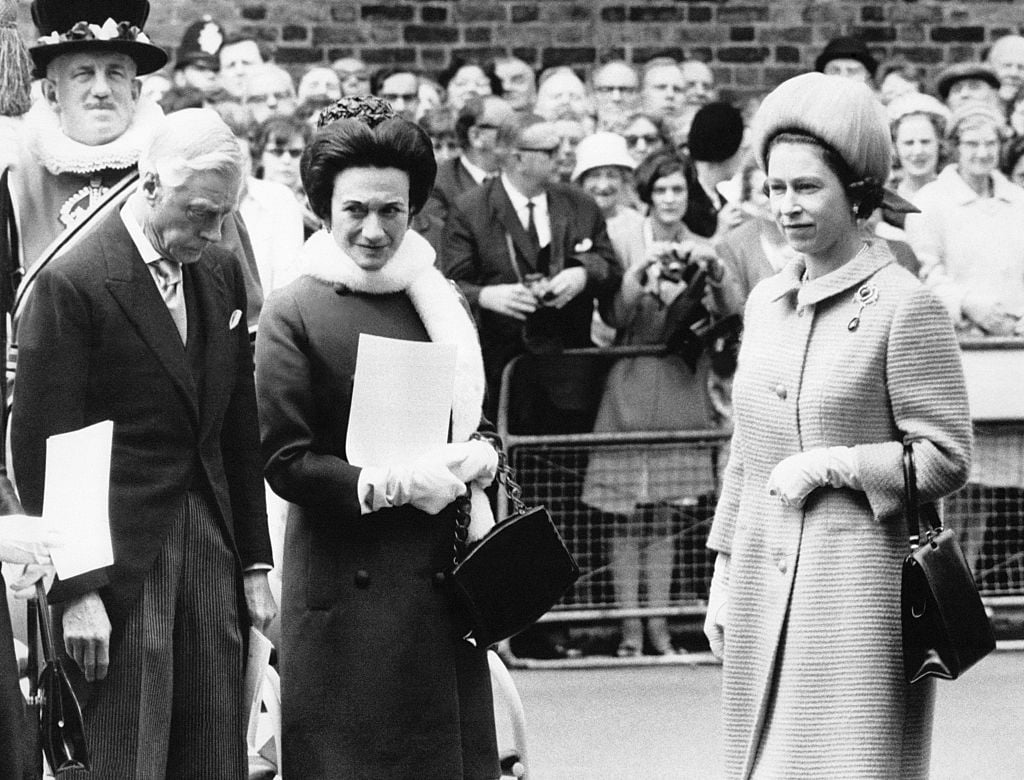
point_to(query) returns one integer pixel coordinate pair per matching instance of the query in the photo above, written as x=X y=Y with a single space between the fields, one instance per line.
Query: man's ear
x=150 y=185
x=49 y=89
x=136 y=89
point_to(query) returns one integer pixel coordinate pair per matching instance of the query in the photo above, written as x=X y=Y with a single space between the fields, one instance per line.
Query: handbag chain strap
x=45 y=629
x=504 y=476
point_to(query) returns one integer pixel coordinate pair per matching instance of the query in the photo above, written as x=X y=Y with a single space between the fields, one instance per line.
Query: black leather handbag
x=518 y=571
x=945 y=627
x=61 y=731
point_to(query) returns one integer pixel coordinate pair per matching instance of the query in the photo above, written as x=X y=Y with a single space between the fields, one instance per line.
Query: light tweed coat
x=813 y=682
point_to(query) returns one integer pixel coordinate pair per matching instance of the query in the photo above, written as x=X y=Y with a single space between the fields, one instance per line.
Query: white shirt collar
x=541 y=215
x=479 y=174
x=146 y=249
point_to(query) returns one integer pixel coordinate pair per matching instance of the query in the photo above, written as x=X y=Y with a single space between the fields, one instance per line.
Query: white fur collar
x=444 y=316
x=435 y=299
x=60 y=154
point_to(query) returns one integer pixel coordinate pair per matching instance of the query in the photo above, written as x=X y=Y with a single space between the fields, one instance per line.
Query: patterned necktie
x=168 y=277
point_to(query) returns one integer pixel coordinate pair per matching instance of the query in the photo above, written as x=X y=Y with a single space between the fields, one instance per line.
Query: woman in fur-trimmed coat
x=376 y=680
x=845 y=356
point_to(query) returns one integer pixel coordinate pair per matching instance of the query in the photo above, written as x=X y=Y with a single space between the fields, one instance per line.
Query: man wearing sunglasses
x=531 y=256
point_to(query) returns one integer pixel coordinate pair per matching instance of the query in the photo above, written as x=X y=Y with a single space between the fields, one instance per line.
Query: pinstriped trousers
x=171 y=704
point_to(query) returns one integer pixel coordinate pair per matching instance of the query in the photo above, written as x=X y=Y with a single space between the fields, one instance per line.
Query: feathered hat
x=67 y=26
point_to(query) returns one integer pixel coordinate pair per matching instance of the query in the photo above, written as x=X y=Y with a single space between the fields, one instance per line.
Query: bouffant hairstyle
x=350 y=143
x=658 y=166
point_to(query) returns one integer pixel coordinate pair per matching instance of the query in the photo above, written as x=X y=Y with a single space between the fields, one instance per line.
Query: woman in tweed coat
x=845 y=357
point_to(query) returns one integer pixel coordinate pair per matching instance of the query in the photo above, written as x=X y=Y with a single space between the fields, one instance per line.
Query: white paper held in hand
x=401 y=400
x=76 y=498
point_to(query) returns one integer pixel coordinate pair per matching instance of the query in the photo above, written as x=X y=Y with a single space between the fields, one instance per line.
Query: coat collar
x=871 y=258
x=435 y=299
x=60 y=154
x=961 y=194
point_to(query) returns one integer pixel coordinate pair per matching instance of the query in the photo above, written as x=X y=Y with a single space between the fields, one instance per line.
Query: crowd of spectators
x=609 y=155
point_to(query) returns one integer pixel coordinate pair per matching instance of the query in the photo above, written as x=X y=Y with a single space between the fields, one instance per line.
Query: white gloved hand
x=794 y=478
x=472 y=461
x=25 y=539
x=427 y=484
x=717 y=617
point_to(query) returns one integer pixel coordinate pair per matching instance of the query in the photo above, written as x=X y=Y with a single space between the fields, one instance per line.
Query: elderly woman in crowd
x=377 y=681
x=464 y=79
x=647 y=492
x=845 y=357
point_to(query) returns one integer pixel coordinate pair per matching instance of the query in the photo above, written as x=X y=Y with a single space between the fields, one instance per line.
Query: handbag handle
x=911 y=503
x=45 y=629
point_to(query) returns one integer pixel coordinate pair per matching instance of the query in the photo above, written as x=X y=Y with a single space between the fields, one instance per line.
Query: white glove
x=25 y=539
x=794 y=478
x=717 y=617
x=427 y=484
x=471 y=461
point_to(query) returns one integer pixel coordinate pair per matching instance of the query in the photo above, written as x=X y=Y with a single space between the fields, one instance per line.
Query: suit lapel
x=132 y=286
x=505 y=214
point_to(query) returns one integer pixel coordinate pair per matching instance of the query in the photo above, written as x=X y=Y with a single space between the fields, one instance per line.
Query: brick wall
x=751 y=44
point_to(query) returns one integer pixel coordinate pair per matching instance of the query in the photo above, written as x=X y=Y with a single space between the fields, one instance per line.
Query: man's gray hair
x=191 y=141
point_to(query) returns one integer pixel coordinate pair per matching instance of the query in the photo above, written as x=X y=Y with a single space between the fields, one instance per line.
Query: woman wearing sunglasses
x=276 y=149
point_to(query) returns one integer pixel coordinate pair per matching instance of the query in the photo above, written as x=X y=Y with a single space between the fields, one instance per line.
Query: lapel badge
x=866 y=295
x=236 y=317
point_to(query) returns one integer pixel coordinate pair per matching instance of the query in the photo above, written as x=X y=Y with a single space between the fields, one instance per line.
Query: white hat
x=599 y=150
x=918 y=103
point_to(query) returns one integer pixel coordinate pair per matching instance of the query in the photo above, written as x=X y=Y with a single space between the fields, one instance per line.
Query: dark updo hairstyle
x=864 y=194
x=350 y=143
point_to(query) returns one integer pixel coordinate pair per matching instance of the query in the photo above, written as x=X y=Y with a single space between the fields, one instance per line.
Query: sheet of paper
x=401 y=400
x=255 y=671
x=76 y=498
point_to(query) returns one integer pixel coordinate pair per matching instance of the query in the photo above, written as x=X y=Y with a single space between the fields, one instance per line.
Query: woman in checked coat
x=845 y=356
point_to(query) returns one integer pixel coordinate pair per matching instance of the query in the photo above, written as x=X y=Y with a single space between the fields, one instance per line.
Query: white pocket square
x=583 y=246
x=236 y=317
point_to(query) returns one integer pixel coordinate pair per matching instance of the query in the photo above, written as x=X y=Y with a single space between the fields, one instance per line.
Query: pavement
x=662 y=721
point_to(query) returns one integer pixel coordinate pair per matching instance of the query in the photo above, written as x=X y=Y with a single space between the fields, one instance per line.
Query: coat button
x=781 y=392
x=782 y=565
x=438 y=579
x=362 y=579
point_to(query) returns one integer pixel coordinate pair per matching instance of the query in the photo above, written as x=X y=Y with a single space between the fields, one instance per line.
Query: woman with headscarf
x=377 y=680
x=845 y=357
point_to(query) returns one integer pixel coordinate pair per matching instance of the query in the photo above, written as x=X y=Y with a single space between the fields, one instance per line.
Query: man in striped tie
x=142 y=322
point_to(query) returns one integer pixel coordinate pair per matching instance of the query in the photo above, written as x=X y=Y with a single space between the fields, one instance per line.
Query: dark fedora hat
x=964 y=71
x=67 y=26
x=846 y=48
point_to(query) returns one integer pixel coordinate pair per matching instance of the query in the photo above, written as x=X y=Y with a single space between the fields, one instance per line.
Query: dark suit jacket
x=96 y=342
x=452 y=180
x=475 y=253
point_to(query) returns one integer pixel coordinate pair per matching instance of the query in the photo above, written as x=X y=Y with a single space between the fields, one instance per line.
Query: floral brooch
x=866 y=295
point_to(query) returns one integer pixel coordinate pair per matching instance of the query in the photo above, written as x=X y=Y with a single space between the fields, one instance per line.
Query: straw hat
x=918 y=103
x=599 y=150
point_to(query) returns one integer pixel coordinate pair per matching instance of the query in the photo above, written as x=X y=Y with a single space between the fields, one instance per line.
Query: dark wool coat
x=813 y=677
x=376 y=682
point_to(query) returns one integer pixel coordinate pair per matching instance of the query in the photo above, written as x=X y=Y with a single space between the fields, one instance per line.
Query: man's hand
x=564 y=286
x=512 y=300
x=259 y=599
x=87 y=635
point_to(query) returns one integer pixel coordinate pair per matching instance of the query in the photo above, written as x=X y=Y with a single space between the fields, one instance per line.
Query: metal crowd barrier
x=561 y=471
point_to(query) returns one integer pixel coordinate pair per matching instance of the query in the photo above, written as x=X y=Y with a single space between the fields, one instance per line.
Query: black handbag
x=945 y=627
x=518 y=571
x=61 y=731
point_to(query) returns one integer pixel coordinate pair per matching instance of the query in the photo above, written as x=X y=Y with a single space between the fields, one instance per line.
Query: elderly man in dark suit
x=142 y=323
x=531 y=256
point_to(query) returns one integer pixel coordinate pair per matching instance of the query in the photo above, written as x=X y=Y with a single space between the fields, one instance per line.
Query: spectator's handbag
x=945 y=628
x=503 y=583
x=61 y=732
